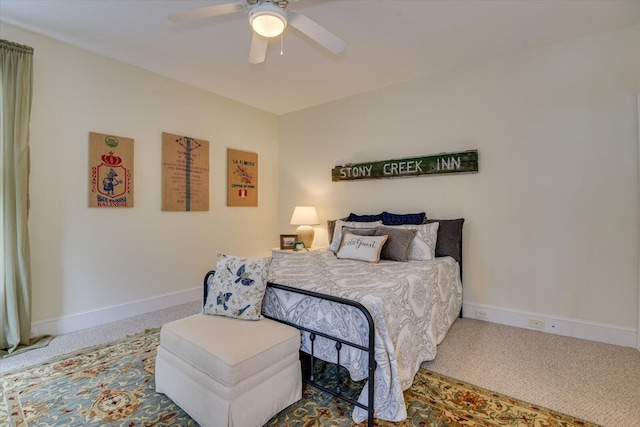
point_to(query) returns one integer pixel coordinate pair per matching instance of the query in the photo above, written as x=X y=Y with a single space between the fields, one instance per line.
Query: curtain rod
x=6 y=44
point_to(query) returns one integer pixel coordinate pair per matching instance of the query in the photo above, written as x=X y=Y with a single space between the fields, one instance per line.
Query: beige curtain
x=16 y=78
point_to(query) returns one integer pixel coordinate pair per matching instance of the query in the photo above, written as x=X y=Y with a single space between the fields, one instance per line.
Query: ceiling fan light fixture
x=267 y=19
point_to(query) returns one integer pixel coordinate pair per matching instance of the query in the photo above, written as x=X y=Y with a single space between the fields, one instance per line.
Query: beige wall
x=552 y=216
x=85 y=259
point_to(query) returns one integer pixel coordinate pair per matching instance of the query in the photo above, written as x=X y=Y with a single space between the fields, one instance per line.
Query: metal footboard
x=339 y=342
x=370 y=348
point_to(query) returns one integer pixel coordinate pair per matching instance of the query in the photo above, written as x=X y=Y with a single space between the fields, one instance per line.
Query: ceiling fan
x=268 y=19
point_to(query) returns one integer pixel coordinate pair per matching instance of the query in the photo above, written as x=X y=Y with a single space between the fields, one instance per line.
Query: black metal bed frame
x=370 y=348
x=339 y=341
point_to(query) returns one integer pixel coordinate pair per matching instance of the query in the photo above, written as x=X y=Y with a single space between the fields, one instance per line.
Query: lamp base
x=305 y=235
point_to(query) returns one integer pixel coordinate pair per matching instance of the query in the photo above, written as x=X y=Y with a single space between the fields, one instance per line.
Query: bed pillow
x=449 y=234
x=337 y=232
x=331 y=225
x=423 y=246
x=364 y=218
x=403 y=219
x=237 y=288
x=397 y=245
x=360 y=231
x=361 y=248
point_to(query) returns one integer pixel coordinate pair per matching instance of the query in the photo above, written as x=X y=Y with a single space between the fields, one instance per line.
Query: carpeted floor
x=113 y=384
x=594 y=381
x=98 y=335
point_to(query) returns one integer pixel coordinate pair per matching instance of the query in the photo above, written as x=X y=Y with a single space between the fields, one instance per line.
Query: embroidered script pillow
x=337 y=233
x=237 y=288
x=361 y=248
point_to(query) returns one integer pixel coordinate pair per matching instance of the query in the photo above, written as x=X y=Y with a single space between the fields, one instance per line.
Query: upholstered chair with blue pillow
x=229 y=366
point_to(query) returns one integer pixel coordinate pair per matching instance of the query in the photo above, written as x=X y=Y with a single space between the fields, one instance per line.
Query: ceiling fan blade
x=206 y=12
x=316 y=32
x=258 y=49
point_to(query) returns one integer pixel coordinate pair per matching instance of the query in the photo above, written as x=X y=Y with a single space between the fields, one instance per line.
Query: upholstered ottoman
x=229 y=372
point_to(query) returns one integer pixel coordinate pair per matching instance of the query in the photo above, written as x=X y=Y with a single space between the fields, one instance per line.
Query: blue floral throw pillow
x=237 y=288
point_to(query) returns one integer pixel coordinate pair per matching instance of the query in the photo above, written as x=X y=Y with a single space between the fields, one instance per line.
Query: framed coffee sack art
x=110 y=171
x=242 y=178
x=185 y=173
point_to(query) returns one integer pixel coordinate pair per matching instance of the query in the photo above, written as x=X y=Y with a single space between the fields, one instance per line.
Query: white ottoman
x=228 y=372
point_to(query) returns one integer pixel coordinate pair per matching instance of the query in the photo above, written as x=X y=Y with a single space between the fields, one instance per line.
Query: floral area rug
x=113 y=385
x=432 y=400
x=108 y=385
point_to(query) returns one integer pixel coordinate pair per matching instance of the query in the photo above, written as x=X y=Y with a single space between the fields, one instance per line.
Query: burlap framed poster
x=242 y=178
x=185 y=173
x=110 y=171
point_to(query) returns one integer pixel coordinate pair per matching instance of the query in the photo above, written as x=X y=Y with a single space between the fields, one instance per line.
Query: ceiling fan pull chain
x=282 y=44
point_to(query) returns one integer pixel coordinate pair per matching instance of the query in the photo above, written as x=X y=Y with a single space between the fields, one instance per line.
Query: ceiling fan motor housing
x=267 y=19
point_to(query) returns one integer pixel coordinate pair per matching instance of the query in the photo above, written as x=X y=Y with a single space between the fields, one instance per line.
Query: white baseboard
x=88 y=319
x=594 y=331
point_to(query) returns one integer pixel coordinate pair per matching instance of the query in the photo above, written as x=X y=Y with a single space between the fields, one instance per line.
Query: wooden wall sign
x=185 y=173
x=242 y=178
x=458 y=162
x=110 y=171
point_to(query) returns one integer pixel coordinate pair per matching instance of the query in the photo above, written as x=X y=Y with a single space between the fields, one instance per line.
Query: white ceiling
x=387 y=41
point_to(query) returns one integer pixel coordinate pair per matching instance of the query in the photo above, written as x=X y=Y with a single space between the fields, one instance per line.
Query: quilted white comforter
x=412 y=303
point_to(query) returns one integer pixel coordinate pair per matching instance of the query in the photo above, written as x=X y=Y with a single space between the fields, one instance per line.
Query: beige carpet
x=99 y=335
x=594 y=381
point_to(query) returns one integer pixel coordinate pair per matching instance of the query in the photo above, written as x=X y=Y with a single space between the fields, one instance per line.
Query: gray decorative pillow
x=360 y=231
x=397 y=246
x=237 y=288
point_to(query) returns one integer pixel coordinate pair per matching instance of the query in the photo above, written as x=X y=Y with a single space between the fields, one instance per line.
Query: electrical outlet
x=534 y=323
x=481 y=314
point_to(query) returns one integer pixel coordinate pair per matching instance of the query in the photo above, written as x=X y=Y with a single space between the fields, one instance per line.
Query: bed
x=411 y=304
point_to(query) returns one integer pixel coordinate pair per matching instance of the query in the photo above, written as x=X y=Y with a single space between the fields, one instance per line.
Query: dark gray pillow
x=396 y=248
x=449 y=234
x=360 y=231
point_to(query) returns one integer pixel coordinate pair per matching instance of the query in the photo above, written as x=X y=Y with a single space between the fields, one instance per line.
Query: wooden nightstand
x=283 y=252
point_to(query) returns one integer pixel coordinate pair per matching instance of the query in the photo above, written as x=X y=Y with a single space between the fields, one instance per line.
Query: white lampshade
x=268 y=20
x=305 y=217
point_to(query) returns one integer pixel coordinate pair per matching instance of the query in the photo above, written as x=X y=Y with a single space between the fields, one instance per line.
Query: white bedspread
x=413 y=304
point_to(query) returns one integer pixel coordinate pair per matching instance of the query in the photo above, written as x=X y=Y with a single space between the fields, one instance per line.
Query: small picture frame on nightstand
x=287 y=241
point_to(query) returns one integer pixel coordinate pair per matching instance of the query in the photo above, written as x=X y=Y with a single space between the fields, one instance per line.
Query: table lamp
x=305 y=217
